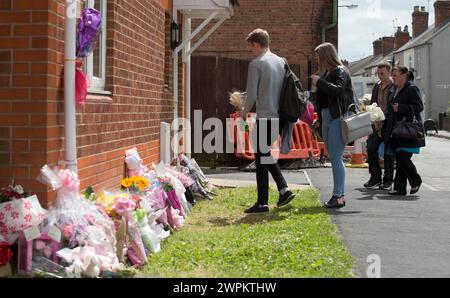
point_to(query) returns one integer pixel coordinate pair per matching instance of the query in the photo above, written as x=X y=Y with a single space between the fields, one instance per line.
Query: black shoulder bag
x=408 y=131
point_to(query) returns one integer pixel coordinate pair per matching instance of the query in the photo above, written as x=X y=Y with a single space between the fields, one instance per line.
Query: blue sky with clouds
x=359 y=27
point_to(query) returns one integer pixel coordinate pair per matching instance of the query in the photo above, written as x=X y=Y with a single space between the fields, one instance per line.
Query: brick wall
x=31 y=91
x=387 y=44
x=294 y=25
x=401 y=37
x=420 y=20
x=442 y=12
x=31 y=63
x=136 y=67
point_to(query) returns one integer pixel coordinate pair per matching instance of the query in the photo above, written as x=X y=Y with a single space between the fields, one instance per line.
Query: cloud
x=358 y=28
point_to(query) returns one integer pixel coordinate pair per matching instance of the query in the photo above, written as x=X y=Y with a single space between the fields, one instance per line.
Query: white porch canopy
x=207 y=10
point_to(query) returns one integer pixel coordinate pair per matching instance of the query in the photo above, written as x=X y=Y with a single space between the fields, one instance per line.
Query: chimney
x=442 y=12
x=387 y=45
x=420 y=20
x=401 y=37
x=377 y=47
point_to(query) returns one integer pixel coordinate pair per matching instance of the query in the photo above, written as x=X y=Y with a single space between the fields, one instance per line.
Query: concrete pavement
x=235 y=178
x=411 y=235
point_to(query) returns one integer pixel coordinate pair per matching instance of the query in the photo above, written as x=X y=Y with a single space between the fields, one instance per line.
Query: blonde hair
x=328 y=57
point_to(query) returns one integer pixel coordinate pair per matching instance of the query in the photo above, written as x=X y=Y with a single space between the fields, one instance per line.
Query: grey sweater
x=264 y=84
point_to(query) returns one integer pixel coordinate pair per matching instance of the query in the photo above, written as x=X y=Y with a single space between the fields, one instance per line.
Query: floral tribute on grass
x=85 y=234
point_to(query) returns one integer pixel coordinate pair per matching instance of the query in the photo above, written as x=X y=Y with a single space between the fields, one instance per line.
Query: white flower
x=376 y=114
x=18 y=189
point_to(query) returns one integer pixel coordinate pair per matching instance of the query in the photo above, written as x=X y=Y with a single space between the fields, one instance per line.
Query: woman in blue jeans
x=334 y=96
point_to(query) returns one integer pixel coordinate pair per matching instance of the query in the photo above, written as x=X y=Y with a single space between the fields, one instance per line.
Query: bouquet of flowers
x=11 y=193
x=376 y=116
x=149 y=237
x=79 y=220
x=124 y=207
x=201 y=187
x=135 y=184
x=238 y=99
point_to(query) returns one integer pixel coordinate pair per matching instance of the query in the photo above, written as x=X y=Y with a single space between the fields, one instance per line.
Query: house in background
x=220 y=64
x=364 y=72
x=428 y=54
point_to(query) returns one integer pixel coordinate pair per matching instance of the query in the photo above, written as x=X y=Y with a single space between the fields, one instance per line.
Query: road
x=411 y=235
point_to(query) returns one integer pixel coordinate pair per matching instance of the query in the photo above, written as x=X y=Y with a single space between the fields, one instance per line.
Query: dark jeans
x=373 y=145
x=406 y=171
x=264 y=162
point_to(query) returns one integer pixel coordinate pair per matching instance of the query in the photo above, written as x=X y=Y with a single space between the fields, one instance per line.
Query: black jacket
x=410 y=104
x=335 y=88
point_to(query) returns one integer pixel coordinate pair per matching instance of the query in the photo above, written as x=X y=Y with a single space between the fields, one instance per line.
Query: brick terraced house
x=132 y=77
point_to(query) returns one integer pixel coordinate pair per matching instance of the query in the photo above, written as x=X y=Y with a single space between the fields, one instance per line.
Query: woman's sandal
x=335 y=203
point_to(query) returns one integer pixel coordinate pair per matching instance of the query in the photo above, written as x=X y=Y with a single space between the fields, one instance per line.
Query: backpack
x=293 y=101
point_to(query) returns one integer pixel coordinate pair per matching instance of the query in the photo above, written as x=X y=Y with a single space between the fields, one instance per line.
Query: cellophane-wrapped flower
x=80 y=221
x=237 y=100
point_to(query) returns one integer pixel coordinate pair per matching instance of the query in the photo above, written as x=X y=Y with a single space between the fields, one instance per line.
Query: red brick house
x=132 y=79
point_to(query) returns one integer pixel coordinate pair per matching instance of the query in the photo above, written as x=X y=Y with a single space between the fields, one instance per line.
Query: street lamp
x=350 y=6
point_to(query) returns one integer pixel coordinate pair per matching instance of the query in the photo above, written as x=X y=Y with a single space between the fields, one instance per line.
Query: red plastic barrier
x=303 y=143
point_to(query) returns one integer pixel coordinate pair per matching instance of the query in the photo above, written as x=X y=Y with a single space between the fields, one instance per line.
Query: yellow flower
x=127 y=182
x=135 y=179
x=145 y=181
x=142 y=183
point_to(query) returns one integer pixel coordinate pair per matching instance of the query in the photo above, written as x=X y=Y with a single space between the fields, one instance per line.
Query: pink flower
x=67 y=231
x=28 y=217
x=69 y=180
x=27 y=205
x=2 y=216
x=123 y=205
x=15 y=215
x=8 y=207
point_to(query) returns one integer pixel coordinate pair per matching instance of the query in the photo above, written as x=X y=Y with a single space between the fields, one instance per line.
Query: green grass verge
x=219 y=240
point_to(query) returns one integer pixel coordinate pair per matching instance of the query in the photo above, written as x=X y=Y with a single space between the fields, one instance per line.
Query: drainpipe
x=429 y=113
x=187 y=60
x=175 y=84
x=69 y=86
x=334 y=22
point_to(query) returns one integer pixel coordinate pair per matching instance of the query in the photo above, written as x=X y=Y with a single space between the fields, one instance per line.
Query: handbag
x=407 y=130
x=356 y=126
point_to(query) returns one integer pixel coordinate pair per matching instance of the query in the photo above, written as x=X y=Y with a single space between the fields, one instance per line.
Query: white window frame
x=98 y=83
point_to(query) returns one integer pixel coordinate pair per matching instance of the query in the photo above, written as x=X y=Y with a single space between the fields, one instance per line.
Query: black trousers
x=406 y=171
x=263 y=138
x=373 y=145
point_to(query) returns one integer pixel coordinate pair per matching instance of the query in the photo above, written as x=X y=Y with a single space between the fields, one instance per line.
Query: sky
x=359 y=27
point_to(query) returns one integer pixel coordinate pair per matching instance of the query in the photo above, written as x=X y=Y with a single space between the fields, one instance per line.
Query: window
x=95 y=63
